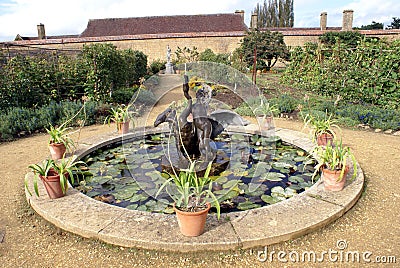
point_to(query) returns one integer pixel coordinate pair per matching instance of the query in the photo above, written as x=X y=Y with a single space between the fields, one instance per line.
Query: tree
x=268 y=47
x=372 y=26
x=395 y=24
x=275 y=13
x=209 y=55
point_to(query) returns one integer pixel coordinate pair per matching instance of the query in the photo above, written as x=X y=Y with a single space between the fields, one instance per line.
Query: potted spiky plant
x=121 y=116
x=54 y=175
x=59 y=140
x=265 y=114
x=333 y=162
x=322 y=128
x=193 y=196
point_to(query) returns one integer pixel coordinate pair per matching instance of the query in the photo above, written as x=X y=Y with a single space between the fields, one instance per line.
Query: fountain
x=127 y=169
x=250 y=170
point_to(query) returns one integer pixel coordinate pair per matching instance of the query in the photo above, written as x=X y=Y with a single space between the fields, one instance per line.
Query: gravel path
x=372 y=225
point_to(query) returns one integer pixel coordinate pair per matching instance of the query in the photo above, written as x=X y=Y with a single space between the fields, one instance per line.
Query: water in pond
x=261 y=171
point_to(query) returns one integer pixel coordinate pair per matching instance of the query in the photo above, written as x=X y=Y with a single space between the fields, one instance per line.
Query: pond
x=260 y=171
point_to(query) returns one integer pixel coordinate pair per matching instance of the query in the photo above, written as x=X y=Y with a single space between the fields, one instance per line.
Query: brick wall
x=155 y=45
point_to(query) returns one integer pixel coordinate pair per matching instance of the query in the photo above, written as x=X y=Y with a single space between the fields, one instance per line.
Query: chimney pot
x=323 y=21
x=241 y=13
x=347 y=20
x=41 y=31
x=254 y=21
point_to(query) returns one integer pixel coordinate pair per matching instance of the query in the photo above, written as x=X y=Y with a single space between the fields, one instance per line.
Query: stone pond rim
x=84 y=216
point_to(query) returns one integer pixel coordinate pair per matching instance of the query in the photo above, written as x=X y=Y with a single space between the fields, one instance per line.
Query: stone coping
x=297 y=216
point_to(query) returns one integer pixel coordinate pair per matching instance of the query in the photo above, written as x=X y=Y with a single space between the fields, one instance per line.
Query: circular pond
x=259 y=171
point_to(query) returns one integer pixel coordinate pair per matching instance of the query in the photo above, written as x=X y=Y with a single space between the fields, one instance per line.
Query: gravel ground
x=371 y=228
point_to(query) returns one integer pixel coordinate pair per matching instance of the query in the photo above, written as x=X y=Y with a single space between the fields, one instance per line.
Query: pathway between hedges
x=373 y=224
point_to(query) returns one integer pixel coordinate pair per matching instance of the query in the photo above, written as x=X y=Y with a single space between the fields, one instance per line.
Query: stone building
x=220 y=32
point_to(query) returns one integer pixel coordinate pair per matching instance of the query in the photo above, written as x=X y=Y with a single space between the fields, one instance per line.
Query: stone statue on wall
x=169 y=69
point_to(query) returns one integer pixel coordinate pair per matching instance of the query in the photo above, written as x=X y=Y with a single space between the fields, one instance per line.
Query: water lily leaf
x=148 y=165
x=269 y=199
x=272 y=139
x=169 y=210
x=278 y=192
x=279 y=165
x=132 y=207
x=138 y=197
x=296 y=179
x=142 y=208
x=247 y=205
x=125 y=193
x=300 y=158
x=221 y=180
x=290 y=192
x=230 y=184
x=295 y=187
x=273 y=176
x=238 y=137
x=159 y=207
x=101 y=179
x=92 y=193
x=256 y=186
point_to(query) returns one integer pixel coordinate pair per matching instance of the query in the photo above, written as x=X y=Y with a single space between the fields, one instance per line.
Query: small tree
x=186 y=54
x=268 y=47
x=209 y=55
x=395 y=24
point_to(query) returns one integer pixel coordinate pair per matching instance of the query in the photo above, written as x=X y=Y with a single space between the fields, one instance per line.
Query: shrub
x=18 y=121
x=156 y=66
x=285 y=103
x=123 y=95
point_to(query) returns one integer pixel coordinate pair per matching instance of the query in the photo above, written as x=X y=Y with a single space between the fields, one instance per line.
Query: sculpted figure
x=193 y=138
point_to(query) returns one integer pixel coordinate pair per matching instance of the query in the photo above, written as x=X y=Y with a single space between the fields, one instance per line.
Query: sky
x=62 y=17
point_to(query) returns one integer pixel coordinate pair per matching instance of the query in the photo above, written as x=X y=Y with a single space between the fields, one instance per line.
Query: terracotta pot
x=324 y=139
x=266 y=122
x=123 y=127
x=192 y=223
x=330 y=179
x=52 y=184
x=57 y=150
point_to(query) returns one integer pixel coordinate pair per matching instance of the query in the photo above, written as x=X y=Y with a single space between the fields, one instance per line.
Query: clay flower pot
x=123 y=127
x=266 y=122
x=52 y=184
x=325 y=139
x=192 y=223
x=57 y=150
x=330 y=179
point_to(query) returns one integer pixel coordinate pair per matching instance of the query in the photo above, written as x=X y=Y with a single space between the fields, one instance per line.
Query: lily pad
x=132 y=207
x=296 y=179
x=101 y=179
x=247 y=205
x=230 y=184
x=269 y=199
x=273 y=176
x=138 y=197
x=169 y=210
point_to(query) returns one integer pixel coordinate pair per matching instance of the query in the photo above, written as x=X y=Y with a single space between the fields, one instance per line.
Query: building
x=220 y=32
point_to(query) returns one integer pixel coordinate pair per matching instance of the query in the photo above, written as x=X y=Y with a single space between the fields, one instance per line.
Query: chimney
x=347 y=20
x=323 y=20
x=41 y=32
x=241 y=13
x=254 y=21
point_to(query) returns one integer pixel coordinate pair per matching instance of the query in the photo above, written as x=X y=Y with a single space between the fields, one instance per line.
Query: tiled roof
x=18 y=37
x=165 y=24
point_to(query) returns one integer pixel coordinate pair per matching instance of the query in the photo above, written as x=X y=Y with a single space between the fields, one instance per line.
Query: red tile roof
x=165 y=24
